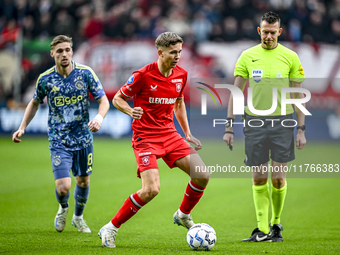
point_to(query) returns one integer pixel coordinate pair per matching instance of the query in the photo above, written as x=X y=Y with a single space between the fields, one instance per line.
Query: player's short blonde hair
x=60 y=39
x=167 y=38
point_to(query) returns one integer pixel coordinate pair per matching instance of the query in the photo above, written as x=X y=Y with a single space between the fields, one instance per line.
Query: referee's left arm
x=300 y=136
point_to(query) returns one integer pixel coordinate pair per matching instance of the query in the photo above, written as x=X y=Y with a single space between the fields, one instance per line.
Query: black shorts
x=269 y=135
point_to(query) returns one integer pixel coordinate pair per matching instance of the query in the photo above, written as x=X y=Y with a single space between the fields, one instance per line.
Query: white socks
x=111 y=226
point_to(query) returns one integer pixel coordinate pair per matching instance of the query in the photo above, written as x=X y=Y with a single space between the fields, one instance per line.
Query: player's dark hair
x=60 y=39
x=271 y=18
x=167 y=38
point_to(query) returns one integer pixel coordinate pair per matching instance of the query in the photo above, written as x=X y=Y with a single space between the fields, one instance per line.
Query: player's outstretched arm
x=300 y=136
x=104 y=106
x=30 y=112
x=119 y=101
x=181 y=115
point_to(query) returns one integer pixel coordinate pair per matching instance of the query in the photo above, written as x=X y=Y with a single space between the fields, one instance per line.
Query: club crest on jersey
x=153 y=88
x=131 y=79
x=178 y=87
x=257 y=75
x=146 y=160
x=79 y=84
x=279 y=75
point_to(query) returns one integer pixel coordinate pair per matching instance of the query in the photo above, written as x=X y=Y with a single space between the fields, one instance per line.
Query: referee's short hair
x=60 y=39
x=271 y=18
x=167 y=38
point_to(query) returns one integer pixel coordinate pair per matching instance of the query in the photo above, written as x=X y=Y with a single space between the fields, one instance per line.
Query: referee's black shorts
x=271 y=138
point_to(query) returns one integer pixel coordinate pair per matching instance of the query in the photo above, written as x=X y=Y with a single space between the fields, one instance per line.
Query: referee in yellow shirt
x=268 y=65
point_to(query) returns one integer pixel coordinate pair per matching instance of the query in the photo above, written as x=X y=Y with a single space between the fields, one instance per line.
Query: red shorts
x=169 y=148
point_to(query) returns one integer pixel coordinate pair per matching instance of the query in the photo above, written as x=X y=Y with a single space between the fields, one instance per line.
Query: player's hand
x=17 y=134
x=94 y=125
x=194 y=140
x=300 y=140
x=137 y=113
x=229 y=139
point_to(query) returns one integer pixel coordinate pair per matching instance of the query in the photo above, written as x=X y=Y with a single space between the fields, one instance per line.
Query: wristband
x=99 y=118
x=303 y=127
x=228 y=132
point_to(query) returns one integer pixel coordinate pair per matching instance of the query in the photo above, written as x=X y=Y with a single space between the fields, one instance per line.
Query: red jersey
x=156 y=95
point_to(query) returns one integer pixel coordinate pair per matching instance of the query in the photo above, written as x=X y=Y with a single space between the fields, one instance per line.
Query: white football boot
x=186 y=222
x=108 y=237
x=80 y=224
x=60 y=219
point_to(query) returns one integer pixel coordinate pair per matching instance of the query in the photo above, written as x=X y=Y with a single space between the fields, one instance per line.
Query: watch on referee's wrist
x=303 y=127
x=229 y=121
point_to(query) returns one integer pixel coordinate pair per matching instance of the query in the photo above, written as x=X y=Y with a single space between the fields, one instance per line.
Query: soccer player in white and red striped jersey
x=157 y=91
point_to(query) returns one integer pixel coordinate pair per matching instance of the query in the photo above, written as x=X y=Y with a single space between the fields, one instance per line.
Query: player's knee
x=83 y=181
x=150 y=193
x=278 y=182
x=63 y=187
x=153 y=192
x=63 y=190
x=202 y=181
x=259 y=181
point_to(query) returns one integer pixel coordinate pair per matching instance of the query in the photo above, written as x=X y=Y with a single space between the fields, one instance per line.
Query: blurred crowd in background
x=197 y=20
x=311 y=21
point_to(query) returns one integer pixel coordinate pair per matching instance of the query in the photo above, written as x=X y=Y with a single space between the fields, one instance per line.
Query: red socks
x=193 y=194
x=133 y=203
x=130 y=207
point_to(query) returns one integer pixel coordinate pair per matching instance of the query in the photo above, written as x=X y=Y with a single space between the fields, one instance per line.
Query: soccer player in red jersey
x=157 y=91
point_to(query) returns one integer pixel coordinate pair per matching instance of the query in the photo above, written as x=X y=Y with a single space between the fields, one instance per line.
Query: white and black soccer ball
x=201 y=237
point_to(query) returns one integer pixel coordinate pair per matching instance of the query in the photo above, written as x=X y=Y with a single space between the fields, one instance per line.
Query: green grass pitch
x=310 y=218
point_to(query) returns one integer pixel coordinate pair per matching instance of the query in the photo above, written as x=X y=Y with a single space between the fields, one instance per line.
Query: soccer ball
x=201 y=237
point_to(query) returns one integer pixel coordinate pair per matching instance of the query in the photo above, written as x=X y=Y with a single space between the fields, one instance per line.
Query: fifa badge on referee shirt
x=257 y=75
